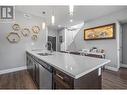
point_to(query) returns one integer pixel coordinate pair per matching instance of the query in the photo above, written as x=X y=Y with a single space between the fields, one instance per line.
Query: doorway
x=124 y=44
x=53 y=41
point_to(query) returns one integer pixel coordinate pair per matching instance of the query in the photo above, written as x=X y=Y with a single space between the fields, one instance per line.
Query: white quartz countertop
x=75 y=66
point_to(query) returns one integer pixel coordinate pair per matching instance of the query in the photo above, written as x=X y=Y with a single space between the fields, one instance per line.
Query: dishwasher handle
x=59 y=76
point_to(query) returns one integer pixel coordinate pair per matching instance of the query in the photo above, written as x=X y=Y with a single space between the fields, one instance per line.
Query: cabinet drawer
x=62 y=80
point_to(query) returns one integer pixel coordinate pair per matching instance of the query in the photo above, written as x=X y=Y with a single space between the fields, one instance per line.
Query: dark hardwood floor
x=22 y=80
x=114 y=80
x=17 y=80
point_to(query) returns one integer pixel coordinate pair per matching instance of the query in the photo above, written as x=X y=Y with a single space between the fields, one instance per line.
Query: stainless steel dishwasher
x=45 y=76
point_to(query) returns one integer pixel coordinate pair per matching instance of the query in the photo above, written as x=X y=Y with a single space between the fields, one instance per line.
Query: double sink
x=44 y=54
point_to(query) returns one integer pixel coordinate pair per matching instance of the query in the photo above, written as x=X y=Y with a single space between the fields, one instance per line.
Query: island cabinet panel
x=61 y=80
x=32 y=68
x=36 y=71
x=89 y=81
x=46 y=76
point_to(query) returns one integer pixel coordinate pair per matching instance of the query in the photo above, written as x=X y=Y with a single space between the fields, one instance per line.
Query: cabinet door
x=29 y=65
x=33 y=69
x=27 y=62
x=37 y=74
x=61 y=80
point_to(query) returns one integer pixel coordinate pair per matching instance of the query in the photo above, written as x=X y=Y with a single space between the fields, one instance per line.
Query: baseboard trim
x=12 y=70
x=123 y=65
x=111 y=68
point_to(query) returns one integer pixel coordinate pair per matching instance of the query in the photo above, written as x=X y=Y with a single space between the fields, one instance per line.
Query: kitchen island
x=68 y=71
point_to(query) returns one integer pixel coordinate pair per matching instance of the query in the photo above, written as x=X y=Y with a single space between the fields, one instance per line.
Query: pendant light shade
x=71 y=10
x=43 y=25
x=53 y=19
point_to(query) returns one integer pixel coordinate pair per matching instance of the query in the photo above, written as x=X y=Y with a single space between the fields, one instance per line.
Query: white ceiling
x=81 y=13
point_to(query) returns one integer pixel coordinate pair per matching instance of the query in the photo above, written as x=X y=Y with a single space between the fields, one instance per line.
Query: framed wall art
x=13 y=37
x=100 y=32
x=25 y=32
x=34 y=37
x=16 y=27
x=35 y=29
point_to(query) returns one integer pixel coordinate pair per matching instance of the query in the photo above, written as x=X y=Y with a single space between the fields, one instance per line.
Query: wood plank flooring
x=114 y=80
x=22 y=80
x=17 y=80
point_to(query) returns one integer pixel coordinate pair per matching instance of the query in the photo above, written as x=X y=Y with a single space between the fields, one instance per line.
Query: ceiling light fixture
x=71 y=10
x=44 y=20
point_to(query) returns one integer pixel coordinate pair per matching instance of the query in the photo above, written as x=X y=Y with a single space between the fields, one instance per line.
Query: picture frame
x=100 y=32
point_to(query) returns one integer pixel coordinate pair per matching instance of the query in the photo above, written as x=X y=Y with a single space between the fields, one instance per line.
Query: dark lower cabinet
x=33 y=69
x=40 y=72
x=36 y=71
x=90 y=81
x=60 y=80
x=30 y=66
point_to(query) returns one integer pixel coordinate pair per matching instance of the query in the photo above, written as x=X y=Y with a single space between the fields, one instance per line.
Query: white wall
x=111 y=46
x=13 y=55
x=68 y=35
x=52 y=32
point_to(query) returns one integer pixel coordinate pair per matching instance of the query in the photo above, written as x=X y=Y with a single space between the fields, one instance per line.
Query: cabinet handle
x=59 y=76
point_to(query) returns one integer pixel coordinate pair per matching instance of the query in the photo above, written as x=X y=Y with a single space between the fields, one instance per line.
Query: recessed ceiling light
x=71 y=20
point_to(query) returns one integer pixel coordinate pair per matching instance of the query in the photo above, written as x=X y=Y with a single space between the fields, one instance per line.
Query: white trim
x=12 y=70
x=123 y=65
x=111 y=68
x=118 y=43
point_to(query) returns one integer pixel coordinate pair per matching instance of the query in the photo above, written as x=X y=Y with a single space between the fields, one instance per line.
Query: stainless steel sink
x=44 y=54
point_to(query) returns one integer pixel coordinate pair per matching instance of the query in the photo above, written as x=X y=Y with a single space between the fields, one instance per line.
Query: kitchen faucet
x=49 y=42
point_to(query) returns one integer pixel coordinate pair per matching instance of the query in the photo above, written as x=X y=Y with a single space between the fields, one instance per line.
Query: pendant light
x=43 y=25
x=44 y=21
x=71 y=9
x=53 y=17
